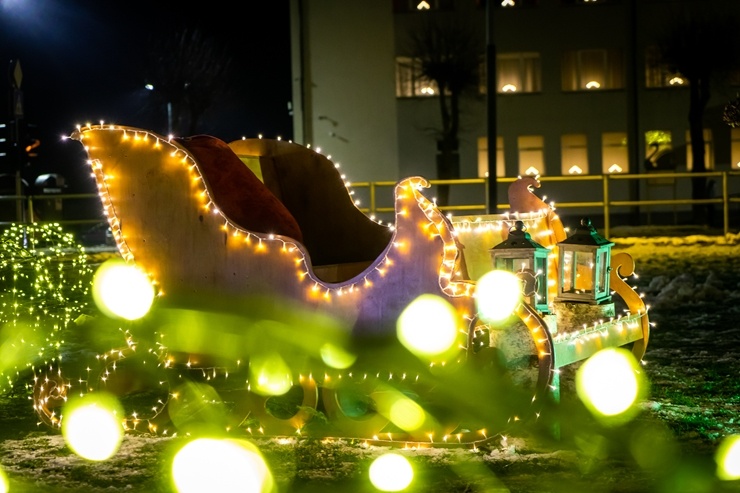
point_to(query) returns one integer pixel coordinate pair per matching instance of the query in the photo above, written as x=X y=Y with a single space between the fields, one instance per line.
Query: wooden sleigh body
x=273 y=223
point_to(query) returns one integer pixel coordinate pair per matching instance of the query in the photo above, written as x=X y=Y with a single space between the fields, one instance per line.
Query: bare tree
x=448 y=53
x=189 y=72
x=702 y=47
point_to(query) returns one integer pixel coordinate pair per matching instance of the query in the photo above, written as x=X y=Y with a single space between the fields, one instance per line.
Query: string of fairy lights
x=52 y=389
x=45 y=280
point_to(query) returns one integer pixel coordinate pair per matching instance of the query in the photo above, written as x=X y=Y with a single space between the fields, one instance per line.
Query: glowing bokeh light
x=92 y=426
x=609 y=382
x=427 y=326
x=497 y=295
x=269 y=374
x=727 y=458
x=391 y=472
x=407 y=414
x=3 y=482
x=223 y=465
x=337 y=357
x=122 y=290
x=196 y=406
x=19 y=343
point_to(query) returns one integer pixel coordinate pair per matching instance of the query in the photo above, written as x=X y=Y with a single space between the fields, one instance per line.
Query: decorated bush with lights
x=45 y=280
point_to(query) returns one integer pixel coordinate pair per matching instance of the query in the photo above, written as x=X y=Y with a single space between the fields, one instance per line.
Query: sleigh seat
x=273 y=186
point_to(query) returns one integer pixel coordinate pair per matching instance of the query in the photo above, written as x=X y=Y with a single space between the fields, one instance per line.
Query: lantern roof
x=518 y=238
x=586 y=234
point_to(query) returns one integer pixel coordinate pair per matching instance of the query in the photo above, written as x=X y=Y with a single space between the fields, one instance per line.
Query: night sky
x=82 y=62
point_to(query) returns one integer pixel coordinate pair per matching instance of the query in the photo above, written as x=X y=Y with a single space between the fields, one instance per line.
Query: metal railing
x=604 y=205
x=374 y=191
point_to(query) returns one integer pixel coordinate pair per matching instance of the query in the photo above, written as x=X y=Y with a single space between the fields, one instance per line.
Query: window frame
x=574 y=70
x=410 y=67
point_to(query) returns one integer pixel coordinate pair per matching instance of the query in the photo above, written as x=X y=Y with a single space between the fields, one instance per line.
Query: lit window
x=483 y=157
x=659 y=150
x=735 y=147
x=405 y=6
x=589 y=70
x=515 y=73
x=574 y=154
x=657 y=73
x=409 y=81
x=517 y=3
x=708 y=151
x=614 y=154
x=531 y=154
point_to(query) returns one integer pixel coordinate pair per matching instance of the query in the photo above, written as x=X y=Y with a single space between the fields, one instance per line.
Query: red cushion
x=237 y=192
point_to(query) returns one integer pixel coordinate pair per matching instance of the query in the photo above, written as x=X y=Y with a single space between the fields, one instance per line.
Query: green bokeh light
x=3 y=482
x=407 y=414
x=269 y=374
x=195 y=407
x=92 y=427
x=336 y=357
x=610 y=383
x=122 y=290
x=428 y=326
x=727 y=458
x=223 y=465
x=19 y=344
x=391 y=472
x=497 y=295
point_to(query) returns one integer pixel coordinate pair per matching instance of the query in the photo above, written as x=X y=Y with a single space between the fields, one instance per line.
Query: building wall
x=344 y=96
x=376 y=35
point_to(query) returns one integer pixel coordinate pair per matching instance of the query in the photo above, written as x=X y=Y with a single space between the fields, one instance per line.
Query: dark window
x=596 y=69
x=657 y=73
x=587 y=2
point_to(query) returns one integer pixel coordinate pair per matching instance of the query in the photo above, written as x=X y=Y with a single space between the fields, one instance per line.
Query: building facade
x=580 y=89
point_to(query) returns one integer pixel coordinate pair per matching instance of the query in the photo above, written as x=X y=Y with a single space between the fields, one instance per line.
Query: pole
x=633 y=112
x=15 y=75
x=169 y=117
x=491 y=199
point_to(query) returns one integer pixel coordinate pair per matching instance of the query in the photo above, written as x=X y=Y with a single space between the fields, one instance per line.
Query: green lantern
x=526 y=258
x=584 y=266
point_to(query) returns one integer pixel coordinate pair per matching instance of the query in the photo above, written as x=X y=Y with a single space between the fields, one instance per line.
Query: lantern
x=526 y=258
x=584 y=260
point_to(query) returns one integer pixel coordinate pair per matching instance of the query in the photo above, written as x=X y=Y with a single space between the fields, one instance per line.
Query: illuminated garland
x=53 y=389
x=44 y=284
x=438 y=225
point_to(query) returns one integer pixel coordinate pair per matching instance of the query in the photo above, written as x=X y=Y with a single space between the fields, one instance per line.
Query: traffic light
x=30 y=142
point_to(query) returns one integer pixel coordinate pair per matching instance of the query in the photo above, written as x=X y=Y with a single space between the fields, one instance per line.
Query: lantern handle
x=518 y=226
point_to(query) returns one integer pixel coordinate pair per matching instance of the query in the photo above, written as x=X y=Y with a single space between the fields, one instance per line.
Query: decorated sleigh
x=266 y=231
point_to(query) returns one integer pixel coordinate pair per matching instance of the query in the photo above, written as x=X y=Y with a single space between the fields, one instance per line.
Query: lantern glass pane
x=602 y=274
x=512 y=264
x=566 y=276
x=577 y=274
x=584 y=264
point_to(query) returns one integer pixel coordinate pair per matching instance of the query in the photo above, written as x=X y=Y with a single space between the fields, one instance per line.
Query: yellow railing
x=605 y=204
